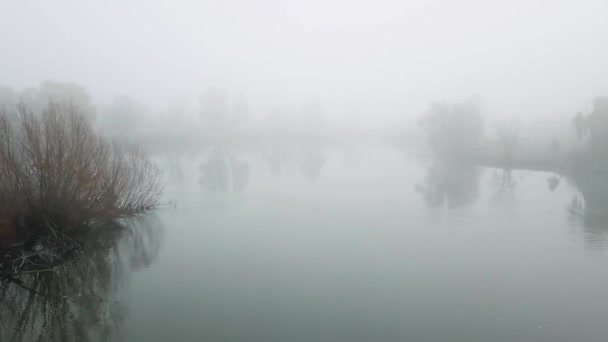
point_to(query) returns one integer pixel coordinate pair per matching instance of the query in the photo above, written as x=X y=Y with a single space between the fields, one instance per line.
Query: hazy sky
x=376 y=59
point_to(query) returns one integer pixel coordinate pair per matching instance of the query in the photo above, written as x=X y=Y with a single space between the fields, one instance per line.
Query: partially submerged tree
x=58 y=178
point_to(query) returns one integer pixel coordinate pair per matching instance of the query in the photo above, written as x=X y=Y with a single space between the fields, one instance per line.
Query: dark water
x=339 y=244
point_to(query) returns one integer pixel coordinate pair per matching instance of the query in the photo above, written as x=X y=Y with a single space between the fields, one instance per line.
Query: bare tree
x=57 y=176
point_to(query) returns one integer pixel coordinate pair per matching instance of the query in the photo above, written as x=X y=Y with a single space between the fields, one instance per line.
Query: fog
x=381 y=62
x=320 y=170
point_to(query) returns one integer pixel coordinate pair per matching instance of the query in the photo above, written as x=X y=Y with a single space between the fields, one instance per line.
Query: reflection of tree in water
x=223 y=115
x=453 y=131
x=222 y=170
x=588 y=171
x=504 y=186
x=591 y=208
x=309 y=158
x=450 y=183
x=274 y=159
x=311 y=164
x=80 y=299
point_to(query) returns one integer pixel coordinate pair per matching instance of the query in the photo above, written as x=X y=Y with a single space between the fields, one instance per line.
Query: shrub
x=58 y=177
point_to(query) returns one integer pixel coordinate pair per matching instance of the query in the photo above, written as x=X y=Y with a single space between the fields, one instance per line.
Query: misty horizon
x=320 y=170
x=381 y=63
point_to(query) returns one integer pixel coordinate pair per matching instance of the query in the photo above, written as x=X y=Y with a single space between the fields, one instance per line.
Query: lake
x=355 y=243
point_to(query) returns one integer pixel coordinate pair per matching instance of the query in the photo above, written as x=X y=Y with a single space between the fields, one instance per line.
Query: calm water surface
x=364 y=244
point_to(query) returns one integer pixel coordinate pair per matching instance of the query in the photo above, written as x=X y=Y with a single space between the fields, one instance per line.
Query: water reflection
x=223 y=171
x=274 y=159
x=308 y=156
x=591 y=209
x=312 y=163
x=450 y=183
x=504 y=185
x=82 y=299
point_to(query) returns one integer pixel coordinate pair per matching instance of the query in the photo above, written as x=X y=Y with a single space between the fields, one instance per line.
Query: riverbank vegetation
x=59 y=179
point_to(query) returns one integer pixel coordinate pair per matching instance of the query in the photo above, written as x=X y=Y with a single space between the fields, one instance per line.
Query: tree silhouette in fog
x=121 y=118
x=595 y=125
x=593 y=130
x=8 y=96
x=453 y=130
x=82 y=298
x=221 y=113
x=588 y=171
x=508 y=133
x=59 y=92
x=38 y=98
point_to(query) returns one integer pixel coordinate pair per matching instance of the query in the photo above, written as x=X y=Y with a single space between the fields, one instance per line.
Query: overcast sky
x=376 y=59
